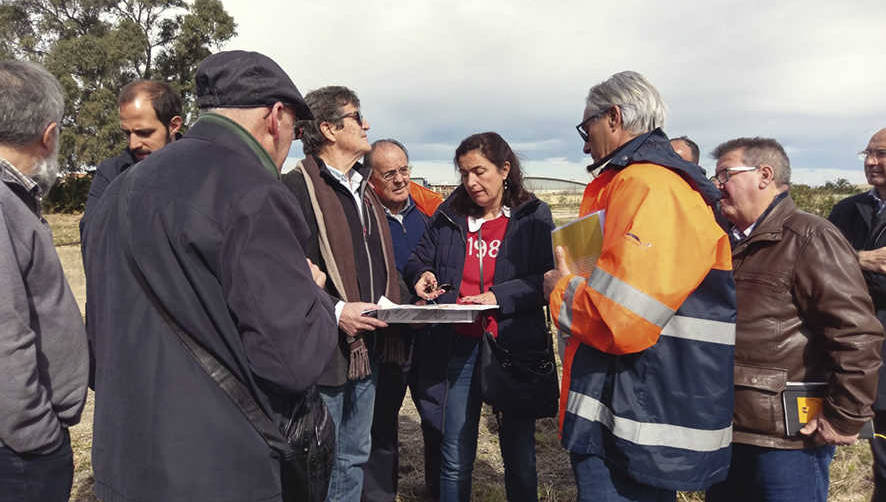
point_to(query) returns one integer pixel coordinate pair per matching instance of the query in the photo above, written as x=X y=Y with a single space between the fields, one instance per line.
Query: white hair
x=642 y=108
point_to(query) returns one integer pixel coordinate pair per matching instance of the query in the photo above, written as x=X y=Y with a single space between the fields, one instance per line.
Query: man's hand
x=426 y=286
x=823 y=432
x=318 y=275
x=873 y=260
x=552 y=277
x=352 y=320
x=487 y=298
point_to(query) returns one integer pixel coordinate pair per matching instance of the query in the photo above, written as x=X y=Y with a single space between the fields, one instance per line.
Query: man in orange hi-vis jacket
x=646 y=406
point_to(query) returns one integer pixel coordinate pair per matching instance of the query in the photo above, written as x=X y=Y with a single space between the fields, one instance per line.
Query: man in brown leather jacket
x=804 y=315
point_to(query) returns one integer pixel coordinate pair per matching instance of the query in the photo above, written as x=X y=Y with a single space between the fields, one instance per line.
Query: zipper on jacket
x=461 y=231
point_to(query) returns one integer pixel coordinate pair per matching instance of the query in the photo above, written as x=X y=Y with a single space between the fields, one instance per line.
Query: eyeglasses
x=581 y=127
x=389 y=176
x=878 y=154
x=357 y=116
x=723 y=176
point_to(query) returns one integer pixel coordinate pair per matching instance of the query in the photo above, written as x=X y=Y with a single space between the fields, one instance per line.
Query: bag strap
x=236 y=391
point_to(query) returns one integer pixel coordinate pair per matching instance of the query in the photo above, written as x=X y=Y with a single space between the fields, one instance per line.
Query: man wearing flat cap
x=200 y=241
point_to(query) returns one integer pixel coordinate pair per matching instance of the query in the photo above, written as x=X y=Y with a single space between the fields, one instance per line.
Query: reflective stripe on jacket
x=647 y=379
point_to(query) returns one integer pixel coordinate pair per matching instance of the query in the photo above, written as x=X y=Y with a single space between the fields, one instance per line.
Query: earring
x=507 y=184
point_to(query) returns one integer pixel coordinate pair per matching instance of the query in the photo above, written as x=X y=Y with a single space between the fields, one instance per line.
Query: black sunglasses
x=581 y=127
x=357 y=116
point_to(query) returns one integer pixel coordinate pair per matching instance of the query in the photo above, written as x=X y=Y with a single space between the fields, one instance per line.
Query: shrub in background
x=69 y=194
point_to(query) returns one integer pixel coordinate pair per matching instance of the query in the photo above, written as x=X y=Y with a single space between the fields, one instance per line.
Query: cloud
x=431 y=73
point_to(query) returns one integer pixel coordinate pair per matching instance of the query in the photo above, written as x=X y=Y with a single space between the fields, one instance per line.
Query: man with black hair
x=150 y=117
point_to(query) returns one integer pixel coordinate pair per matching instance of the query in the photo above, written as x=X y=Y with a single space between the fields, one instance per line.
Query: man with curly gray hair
x=351 y=243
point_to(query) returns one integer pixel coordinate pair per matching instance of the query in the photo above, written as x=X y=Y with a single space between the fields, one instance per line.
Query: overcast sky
x=811 y=73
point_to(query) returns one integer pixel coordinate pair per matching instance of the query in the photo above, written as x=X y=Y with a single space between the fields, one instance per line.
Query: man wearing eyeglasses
x=407 y=216
x=647 y=402
x=351 y=243
x=803 y=316
x=863 y=222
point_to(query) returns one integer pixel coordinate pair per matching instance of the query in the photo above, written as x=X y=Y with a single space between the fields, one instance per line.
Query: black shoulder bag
x=520 y=383
x=306 y=444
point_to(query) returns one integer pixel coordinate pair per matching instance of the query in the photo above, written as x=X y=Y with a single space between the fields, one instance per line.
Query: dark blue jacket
x=406 y=236
x=865 y=229
x=524 y=256
x=102 y=177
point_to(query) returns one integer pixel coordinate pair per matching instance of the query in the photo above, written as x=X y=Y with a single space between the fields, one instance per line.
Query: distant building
x=443 y=189
x=545 y=184
x=539 y=184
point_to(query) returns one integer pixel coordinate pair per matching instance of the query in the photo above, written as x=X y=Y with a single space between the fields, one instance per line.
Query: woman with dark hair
x=491 y=240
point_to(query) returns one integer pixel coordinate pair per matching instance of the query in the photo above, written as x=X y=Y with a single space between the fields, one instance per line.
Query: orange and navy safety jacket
x=648 y=369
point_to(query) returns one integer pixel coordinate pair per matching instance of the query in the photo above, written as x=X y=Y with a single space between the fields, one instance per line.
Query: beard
x=142 y=153
x=45 y=171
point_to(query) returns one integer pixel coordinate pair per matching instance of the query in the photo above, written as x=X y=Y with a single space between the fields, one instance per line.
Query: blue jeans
x=460 y=427
x=29 y=477
x=772 y=475
x=351 y=408
x=597 y=482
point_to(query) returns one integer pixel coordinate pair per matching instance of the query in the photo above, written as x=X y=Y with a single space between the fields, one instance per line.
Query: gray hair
x=325 y=104
x=642 y=108
x=367 y=159
x=758 y=151
x=30 y=99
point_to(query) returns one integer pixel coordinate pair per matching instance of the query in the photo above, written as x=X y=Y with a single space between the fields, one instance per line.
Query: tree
x=94 y=47
x=841 y=185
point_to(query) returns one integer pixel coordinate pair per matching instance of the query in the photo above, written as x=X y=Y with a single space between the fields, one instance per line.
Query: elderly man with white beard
x=43 y=349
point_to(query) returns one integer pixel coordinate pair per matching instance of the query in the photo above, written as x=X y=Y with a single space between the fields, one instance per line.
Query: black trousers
x=29 y=477
x=382 y=469
x=878 y=448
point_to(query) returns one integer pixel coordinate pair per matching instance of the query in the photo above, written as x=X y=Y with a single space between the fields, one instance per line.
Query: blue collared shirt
x=880 y=202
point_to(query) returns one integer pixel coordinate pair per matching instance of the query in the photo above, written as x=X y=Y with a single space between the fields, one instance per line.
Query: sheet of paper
x=393 y=313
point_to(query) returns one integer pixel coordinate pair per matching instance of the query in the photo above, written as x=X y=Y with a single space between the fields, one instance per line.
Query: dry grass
x=65 y=228
x=564 y=205
x=851 y=479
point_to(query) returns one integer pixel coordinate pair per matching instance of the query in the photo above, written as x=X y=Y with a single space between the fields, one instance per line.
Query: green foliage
x=68 y=195
x=94 y=47
x=820 y=200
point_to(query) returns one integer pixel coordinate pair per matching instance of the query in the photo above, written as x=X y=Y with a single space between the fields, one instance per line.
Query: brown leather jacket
x=804 y=314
